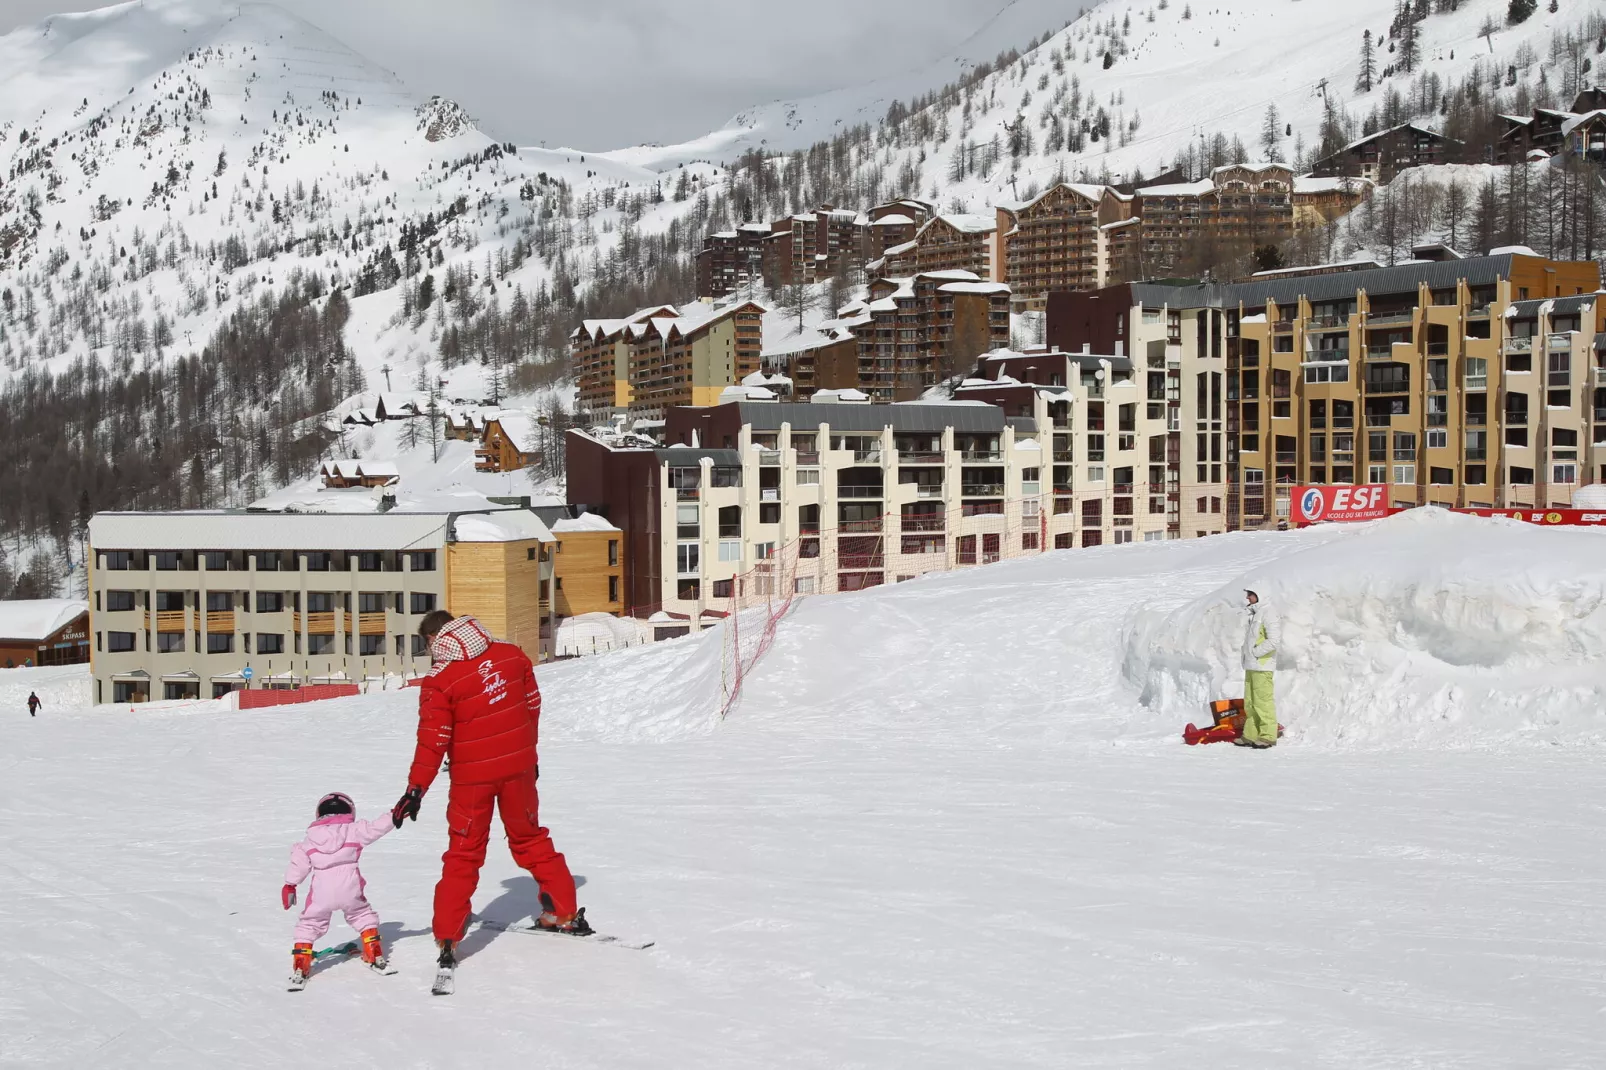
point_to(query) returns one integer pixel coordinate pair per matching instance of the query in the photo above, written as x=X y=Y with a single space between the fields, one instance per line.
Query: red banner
x=1547 y=517
x=1318 y=505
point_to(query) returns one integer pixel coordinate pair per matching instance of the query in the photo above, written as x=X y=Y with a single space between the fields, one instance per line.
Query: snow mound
x=661 y=691
x=1427 y=628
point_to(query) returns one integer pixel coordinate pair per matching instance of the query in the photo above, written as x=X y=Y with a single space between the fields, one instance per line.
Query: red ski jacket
x=479 y=706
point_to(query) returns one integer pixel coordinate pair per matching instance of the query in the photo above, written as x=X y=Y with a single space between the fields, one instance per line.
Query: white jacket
x=1262 y=636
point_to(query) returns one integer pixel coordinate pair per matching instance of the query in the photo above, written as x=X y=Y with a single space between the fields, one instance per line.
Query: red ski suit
x=480 y=708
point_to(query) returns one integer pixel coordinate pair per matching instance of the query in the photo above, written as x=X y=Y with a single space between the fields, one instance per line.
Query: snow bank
x=661 y=691
x=1427 y=628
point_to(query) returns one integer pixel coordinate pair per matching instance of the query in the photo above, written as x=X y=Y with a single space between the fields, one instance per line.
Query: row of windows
x=270 y=601
x=266 y=560
x=266 y=643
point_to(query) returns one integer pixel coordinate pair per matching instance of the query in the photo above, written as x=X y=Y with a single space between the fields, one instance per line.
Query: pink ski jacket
x=329 y=856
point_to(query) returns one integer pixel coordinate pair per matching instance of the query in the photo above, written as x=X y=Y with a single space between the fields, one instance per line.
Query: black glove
x=407 y=806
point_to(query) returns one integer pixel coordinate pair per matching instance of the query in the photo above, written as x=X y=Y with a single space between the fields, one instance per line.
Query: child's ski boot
x=373 y=950
x=300 y=966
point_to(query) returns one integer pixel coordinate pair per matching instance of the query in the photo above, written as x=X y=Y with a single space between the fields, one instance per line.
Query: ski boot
x=445 y=967
x=373 y=949
x=300 y=966
x=575 y=924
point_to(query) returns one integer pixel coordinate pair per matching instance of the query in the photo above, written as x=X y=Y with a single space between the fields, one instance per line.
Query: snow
x=941 y=829
x=599 y=633
x=583 y=522
x=512 y=525
x=39 y=618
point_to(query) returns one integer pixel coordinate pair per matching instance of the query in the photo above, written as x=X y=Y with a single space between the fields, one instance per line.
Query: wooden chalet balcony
x=316 y=623
x=169 y=620
x=371 y=623
x=219 y=623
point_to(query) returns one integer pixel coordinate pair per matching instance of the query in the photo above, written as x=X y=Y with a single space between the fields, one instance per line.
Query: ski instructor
x=480 y=707
x=1262 y=634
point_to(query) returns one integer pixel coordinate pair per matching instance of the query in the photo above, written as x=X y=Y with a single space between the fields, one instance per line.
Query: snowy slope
x=941 y=830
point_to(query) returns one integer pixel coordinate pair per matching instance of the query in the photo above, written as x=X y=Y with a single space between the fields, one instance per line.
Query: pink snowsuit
x=329 y=855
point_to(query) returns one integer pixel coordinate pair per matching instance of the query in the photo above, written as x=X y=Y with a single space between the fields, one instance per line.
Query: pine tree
x=1519 y=10
x=1368 y=72
x=1410 y=46
x=1271 y=136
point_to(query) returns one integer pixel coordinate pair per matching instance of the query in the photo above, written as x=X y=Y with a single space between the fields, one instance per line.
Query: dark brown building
x=1383 y=155
x=732 y=259
x=48 y=631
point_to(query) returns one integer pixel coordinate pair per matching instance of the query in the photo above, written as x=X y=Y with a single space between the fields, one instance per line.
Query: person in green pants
x=1262 y=635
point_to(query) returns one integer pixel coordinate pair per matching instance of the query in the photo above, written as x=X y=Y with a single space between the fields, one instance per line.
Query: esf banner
x=1547 y=517
x=1320 y=505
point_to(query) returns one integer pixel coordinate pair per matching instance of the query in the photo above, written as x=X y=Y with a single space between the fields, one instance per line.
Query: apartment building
x=952 y=242
x=1058 y=241
x=1380 y=156
x=903 y=338
x=1579 y=130
x=732 y=259
x=599 y=353
x=813 y=245
x=589 y=574
x=691 y=358
x=895 y=223
x=197 y=604
x=827 y=497
x=1242 y=204
x=1138 y=442
x=1460 y=382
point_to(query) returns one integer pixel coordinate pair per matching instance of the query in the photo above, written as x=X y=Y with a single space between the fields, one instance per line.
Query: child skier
x=329 y=856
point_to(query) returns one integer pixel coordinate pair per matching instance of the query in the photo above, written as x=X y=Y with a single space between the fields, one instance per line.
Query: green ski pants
x=1260 y=708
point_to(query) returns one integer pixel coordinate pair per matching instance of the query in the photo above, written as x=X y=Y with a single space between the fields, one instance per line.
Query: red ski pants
x=468 y=819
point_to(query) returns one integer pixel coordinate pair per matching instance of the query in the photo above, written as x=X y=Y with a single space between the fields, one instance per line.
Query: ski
x=593 y=937
x=298 y=981
x=348 y=948
x=444 y=981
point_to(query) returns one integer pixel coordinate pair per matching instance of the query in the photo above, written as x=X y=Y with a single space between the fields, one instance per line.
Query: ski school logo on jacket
x=1312 y=505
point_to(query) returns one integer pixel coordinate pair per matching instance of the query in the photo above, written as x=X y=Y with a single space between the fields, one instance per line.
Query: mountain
x=221 y=229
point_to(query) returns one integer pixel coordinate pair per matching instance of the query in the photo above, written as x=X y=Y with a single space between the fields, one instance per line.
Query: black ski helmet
x=335 y=803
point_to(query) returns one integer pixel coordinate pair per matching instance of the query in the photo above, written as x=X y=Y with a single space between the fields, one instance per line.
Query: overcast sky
x=607 y=73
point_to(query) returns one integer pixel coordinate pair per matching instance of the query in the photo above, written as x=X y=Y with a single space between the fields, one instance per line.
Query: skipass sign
x=1318 y=505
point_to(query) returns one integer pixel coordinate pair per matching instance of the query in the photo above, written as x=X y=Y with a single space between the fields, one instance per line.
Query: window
x=424 y=560
x=529 y=554
x=1377 y=473
x=169 y=601
x=268 y=561
x=219 y=642
x=1283 y=343
x=613 y=553
x=1327 y=373
x=118 y=560
x=613 y=588
x=370 y=561
x=219 y=601
x=119 y=601
x=808 y=477
x=687 y=559
x=167 y=560
x=320 y=602
x=1441 y=477
x=270 y=643
x=420 y=646
x=686 y=520
x=1522 y=477
x=1561 y=436
x=1477 y=475
x=1028 y=540
x=370 y=603
x=688 y=590
x=216 y=560
x=1438 y=439
x=1564 y=473
x=723 y=588
x=769 y=513
x=169 y=642
x=1404 y=446
x=1477 y=373
x=558 y=582
x=763 y=550
x=119 y=642
x=370 y=646
x=319 y=561
x=421 y=602
x=320 y=644
x=730 y=549
x=1516 y=436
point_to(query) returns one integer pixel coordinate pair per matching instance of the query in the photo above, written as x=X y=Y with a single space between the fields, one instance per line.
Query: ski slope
x=951 y=824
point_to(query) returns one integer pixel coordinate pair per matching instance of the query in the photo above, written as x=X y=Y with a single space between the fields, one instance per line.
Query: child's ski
x=351 y=947
x=594 y=937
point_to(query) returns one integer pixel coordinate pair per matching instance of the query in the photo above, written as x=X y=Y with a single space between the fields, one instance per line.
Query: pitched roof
x=33 y=620
x=1478 y=271
x=520 y=429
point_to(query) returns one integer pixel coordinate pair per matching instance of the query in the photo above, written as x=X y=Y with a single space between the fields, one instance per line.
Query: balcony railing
x=919 y=457
x=855 y=562
x=808 y=458
x=858 y=527
x=924 y=523
x=1387 y=319
x=371 y=623
x=769 y=458
x=859 y=492
x=1561 y=340
x=1519 y=345
x=982 y=455
x=867 y=456
x=1477 y=419
x=982 y=490
x=320 y=623
x=170 y=620
x=1477 y=382
x=219 y=622
x=1516 y=419
x=1380 y=352
x=687 y=494
x=1477 y=453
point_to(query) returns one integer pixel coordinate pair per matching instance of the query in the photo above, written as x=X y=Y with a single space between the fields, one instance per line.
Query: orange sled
x=1227 y=717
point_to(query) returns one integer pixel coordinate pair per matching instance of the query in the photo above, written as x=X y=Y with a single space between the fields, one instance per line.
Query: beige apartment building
x=1472 y=382
x=198 y=604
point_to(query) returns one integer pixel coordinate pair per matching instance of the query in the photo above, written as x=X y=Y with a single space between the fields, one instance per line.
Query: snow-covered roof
x=1576 y=121
x=396 y=401
x=33 y=620
x=1179 y=189
x=899 y=250
x=1336 y=184
x=974 y=288
x=378 y=470
x=216 y=530
x=1393 y=129
x=952 y=274
x=746 y=393
x=847 y=396
x=893 y=220
x=965 y=223
x=508 y=525
x=521 y=430
x=583 y=522
x=1255 y=168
